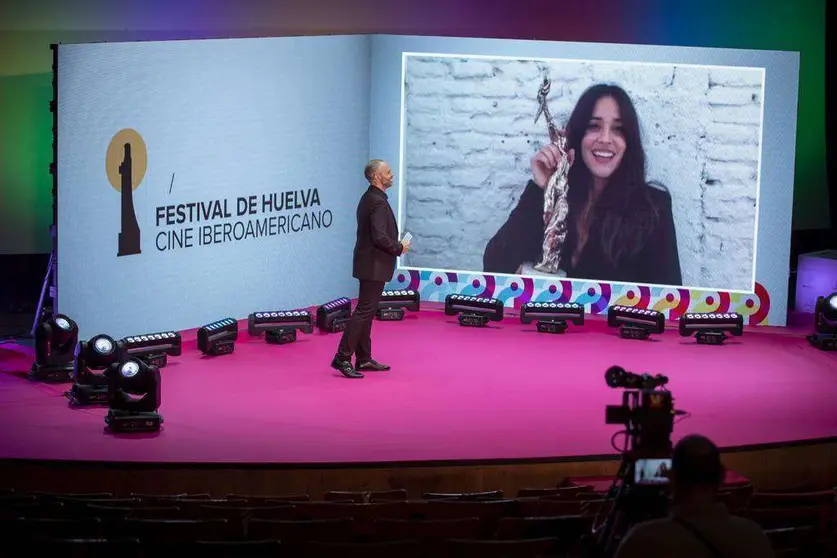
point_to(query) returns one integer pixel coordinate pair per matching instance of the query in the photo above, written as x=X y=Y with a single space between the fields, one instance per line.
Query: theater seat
x=237 y=549
x=389 y=549
x=289 y=531
x=427 y=529
x=506 y=549
x=263 y=500
x=82 y=548
x=462 y=495
x=54 y=528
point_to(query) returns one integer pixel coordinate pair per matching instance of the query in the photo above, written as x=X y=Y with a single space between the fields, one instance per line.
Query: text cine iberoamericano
x=193 y=224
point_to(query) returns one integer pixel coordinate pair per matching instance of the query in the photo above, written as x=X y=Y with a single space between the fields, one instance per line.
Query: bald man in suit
x=376 y=250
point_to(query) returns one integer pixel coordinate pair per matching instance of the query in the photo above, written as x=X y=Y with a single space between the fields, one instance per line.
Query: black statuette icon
x=129 y=238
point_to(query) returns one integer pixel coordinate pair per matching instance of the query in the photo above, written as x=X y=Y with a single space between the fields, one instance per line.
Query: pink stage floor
x=501 y=393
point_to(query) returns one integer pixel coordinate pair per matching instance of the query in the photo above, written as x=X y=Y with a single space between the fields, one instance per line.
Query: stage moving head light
x=709 y=328
x=90 y=388
x=825 y=323
x=218 y=338
x=55 y=340
x=55 y=344
x=475 y=311
x=635 y=323
x=126 y=378
x=552 y=317
x=333 y=316
x=154 y=348
x=826 y=309
x=134 y=376
x=393 y=304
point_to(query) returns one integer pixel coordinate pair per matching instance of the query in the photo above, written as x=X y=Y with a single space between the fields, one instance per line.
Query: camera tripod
x=632 y=504
x=48 y=286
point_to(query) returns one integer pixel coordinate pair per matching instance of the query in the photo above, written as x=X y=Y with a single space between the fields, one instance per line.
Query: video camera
x=639 y=491
x=646 y=412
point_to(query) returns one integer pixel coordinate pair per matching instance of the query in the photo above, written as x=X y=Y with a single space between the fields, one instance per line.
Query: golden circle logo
x=128 y=145
x=126 y=161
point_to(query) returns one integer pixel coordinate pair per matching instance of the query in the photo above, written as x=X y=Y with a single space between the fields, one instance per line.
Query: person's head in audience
x=696 y=470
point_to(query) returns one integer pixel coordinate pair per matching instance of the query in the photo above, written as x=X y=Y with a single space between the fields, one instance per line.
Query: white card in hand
x=407 y=237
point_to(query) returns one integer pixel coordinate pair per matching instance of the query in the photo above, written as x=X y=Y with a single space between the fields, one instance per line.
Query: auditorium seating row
x=536 y=522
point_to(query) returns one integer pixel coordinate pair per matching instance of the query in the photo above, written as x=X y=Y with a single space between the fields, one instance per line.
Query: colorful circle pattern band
x=596 y=297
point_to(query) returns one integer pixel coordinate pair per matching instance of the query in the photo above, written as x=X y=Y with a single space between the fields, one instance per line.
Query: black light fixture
x=552 y=317
x=635 y=323
x=55 y=344
x=126 y=378
x=154 y=348
x=710 y=328
x=333 y=316
x=825 y=323
x=90 y=388
x=392 y=305
x=474 y=311
x=279 y=327
x=218 y=338
x=259 y=322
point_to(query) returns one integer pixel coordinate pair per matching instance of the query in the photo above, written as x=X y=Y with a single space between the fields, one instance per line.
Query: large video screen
x=583 y=169
x=596 y=173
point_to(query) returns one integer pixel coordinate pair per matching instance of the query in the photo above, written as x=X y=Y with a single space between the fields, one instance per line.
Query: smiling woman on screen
x=619 y=226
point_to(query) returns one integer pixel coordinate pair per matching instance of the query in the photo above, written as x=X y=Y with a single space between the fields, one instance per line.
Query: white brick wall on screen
x=469 y=136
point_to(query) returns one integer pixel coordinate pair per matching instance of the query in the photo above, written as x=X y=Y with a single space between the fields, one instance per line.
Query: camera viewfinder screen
x=652 y=471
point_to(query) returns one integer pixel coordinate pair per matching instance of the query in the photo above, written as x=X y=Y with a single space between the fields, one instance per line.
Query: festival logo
x=125 y=164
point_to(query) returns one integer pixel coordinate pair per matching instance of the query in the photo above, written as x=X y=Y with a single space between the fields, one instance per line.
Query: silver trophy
x=555 y=206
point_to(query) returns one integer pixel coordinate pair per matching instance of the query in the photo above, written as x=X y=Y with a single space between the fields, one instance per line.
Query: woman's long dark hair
x=624 y=215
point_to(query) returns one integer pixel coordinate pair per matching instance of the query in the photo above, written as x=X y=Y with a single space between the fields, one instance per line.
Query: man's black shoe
x=372 y=366
x=345 y=368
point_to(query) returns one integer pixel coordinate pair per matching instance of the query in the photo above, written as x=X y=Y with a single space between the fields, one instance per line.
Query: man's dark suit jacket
x=377 y=244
